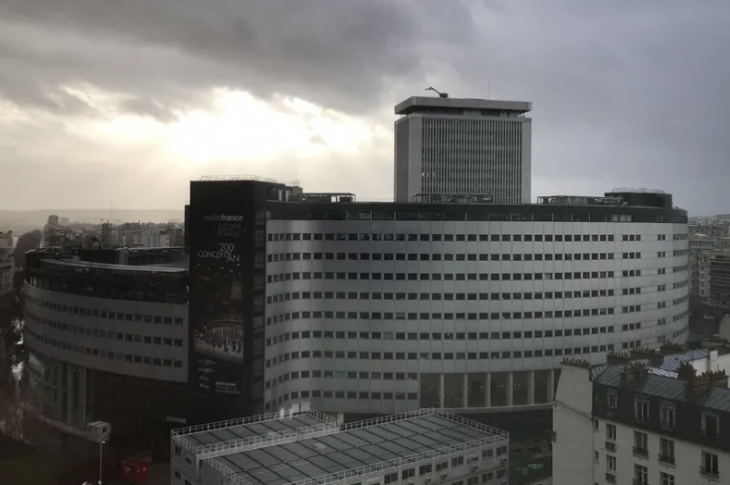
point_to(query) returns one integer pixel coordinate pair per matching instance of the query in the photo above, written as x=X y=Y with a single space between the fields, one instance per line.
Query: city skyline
x=130 y=102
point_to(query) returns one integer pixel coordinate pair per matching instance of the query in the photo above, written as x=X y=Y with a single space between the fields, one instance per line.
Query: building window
x=666 y=451
x=612 y=399
x=610 y=463
x=391 y=478
x=641 y=410
x=666 y=479
x=641 y=444
x=710 y=425
x=667 y=416
x=610 y=432
x=710 y=465
x=641 y=475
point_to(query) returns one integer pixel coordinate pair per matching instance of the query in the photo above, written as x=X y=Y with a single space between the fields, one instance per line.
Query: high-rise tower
x=454 y=146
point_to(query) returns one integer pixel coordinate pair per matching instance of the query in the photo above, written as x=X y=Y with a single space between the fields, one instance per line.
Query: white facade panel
x=140 y=339
x=469 y=154
x=390 y=316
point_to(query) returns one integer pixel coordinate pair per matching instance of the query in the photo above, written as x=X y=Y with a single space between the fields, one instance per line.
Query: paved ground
x=159 y=475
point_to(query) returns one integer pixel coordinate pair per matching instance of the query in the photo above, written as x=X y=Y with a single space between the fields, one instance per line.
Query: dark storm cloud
x=342 y=53
x=625 y=93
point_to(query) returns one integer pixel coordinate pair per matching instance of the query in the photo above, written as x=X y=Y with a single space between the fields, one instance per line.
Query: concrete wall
x=573 y=428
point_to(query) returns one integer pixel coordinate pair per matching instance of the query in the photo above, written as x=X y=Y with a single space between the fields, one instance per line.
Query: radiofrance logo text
x=222 y=218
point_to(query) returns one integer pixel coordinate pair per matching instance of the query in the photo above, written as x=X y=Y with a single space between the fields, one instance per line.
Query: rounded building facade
x=385 y=308
x=105 y=342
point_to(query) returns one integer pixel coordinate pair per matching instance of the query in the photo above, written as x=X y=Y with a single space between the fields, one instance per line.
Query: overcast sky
x=125 y=101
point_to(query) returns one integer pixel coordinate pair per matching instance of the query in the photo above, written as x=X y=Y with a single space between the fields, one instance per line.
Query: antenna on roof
x=441 y=95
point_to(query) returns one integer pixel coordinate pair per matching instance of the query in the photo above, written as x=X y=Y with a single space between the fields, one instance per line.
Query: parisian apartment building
x=646 y=418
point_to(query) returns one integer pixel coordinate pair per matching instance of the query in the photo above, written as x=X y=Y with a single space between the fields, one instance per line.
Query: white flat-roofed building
x=193 y=444
x=388 y=308
x=425 y=446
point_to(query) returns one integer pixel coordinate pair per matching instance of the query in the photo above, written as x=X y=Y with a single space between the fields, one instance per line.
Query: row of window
x=438 y=356
x=482 y=257
x=540 y=213
x=130 y=358
x=98 y=333
x=431 y=237
x=421 y=336
x=89 y=312
x=586 y=312
x=494 y=316
x=666 y=455
x=121 y=287
x=576 y=275
x=443 y=464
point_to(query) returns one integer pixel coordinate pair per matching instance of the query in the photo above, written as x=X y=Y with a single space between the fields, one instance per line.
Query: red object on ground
x=135 y=469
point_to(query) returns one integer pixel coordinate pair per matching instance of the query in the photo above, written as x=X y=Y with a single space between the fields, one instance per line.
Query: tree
x=26 y=242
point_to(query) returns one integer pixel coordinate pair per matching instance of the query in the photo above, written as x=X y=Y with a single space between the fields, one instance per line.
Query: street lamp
x=99 y=431
x=101 y=454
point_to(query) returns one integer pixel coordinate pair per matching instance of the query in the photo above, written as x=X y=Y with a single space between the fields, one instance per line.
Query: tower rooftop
x=431 y=104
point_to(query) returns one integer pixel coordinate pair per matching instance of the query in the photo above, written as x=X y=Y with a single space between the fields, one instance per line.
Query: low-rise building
x=309 y=448
x=6 y=267
x=700 y=247
x=643 y=419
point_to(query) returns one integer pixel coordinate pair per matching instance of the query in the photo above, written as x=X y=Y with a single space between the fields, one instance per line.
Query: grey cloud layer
x=341 y=53
x=629 y=93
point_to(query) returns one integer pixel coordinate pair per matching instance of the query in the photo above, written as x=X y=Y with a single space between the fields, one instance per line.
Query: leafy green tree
x=26 y=242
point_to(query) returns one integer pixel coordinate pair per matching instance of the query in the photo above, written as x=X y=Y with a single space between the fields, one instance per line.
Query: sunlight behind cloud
x=238 y=126
x=235 y=126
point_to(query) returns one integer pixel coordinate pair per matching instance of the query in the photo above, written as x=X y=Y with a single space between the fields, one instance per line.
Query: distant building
x=147 y=235
x=303 y=448
x=54 y=234
x=451 y=146
x=644 y=418
x=700 y=247
x=719 y=279
x=6 y=267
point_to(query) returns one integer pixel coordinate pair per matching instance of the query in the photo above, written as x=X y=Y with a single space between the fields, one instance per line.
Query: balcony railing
x=641 y=451
x=610 y=446
x=610 y=477
x=666 y=459
x=710 y=472
x=641 y=481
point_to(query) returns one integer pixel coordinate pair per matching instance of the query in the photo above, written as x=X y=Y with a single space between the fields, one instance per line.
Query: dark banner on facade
x=218 y=303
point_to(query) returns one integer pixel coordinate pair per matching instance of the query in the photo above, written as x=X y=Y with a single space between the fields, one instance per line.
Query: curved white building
x=389 y=307
x=106 y=341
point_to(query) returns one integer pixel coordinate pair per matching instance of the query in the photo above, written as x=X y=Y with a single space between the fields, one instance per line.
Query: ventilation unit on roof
x=319 y=446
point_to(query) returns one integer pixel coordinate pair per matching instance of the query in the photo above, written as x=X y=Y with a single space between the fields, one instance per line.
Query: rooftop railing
x=178 y=435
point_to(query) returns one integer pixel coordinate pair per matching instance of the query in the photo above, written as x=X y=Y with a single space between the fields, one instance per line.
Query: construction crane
x=441 y=95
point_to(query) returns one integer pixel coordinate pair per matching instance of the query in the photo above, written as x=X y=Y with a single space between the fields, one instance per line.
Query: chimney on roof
x=654 y=357
x=617 y=358
x=670 y=348
x=632 y=372
x=697 y=385
x=718 y=378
